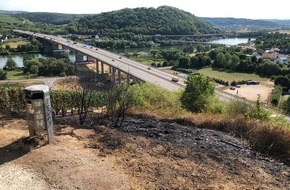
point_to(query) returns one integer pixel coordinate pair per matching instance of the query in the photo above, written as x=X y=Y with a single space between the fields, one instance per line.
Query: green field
x=17 y=75
x=148 y=60
x=229 y=76
x=4 y=18
x=14 y=43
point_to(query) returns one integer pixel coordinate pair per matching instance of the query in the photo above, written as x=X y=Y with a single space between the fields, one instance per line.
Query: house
x=282 y=59
x=256 y=54
x=270 y=54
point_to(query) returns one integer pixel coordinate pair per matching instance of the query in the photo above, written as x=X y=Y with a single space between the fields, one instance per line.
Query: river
x=231 y=41
x=18 y=58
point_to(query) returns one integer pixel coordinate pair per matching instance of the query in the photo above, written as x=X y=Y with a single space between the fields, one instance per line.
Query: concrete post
x=119 y=76
x=102 y=68
x=97 y=67
x=128 y=78
x=113 y=75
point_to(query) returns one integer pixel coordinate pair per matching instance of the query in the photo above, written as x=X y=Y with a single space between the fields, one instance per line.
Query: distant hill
x=50 y=18
x=285 y=23
x=11 y=12
x=162 y=20
x=240 y=23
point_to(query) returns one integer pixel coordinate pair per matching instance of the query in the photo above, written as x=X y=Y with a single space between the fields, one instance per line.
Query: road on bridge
x=124 y=64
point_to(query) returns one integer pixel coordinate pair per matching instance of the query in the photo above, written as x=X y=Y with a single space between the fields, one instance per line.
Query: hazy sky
x=255 y=9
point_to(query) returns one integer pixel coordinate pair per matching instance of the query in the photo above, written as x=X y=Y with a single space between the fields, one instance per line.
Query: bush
x=237 y=107
x=276 y=95
x=286 y=106
x=258 y=112
x=3 y=74
x=198 y=92
x=234 y=83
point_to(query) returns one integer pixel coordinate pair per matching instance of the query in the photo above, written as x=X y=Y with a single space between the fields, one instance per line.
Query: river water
x=18 y=58
x=231 y=41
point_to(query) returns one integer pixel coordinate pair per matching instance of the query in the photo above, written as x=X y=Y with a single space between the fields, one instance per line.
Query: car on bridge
x=175 y=79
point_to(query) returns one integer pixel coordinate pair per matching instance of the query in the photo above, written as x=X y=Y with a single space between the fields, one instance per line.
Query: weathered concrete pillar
x=102 y=68
x=119 y=76
x=59 y=47
x=128 y=78
x=113 y=75
x=97 y=67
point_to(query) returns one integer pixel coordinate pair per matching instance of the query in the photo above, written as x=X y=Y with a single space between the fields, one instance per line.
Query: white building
x=282 y=59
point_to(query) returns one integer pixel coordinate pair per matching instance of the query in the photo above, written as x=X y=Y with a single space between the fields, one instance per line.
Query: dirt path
x=60 y=166
x=144 y=154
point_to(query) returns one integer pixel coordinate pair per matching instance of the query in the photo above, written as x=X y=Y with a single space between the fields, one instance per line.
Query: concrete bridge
x=115 y=63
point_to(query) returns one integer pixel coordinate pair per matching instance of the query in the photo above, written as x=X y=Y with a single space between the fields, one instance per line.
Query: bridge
x=117 y=64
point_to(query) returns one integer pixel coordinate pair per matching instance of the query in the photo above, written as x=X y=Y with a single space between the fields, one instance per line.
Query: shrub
x=3 y=74
x=276 y=95
x=198 y=92
x=234 y=83
x=237 y=107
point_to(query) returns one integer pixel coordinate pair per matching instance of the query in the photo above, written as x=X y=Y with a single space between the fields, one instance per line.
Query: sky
x=253 y=9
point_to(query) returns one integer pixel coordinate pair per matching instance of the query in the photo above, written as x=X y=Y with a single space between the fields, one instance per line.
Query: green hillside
x=5 y=18
x=49 y=18
x=146 y=21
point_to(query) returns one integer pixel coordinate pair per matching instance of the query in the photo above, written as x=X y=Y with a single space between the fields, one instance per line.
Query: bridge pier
x=128 y=78
x=79 y=57
x=119 y=76
x=102 y=68
x=113 y=75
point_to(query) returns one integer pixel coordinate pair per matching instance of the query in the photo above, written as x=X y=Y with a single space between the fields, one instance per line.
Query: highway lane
x=126 y=65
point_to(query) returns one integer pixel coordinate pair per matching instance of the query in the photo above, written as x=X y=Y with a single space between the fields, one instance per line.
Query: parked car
x=232 y=88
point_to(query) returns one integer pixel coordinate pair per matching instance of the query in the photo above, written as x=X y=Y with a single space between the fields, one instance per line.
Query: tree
x=286 y=106
x=183 y=62
x=220 y=60
x=228 y=58
x=10 y=64
x=282 y=80
x=34 y=69
x=198 y=92
x=3 y=74
x=234 y=62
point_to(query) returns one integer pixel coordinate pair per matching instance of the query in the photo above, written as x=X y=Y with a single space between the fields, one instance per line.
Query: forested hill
x=162 y=20
x=49 y=18
x=239 y=23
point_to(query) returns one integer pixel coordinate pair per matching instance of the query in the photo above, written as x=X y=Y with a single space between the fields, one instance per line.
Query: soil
x=143 y=154
x=251 y=92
